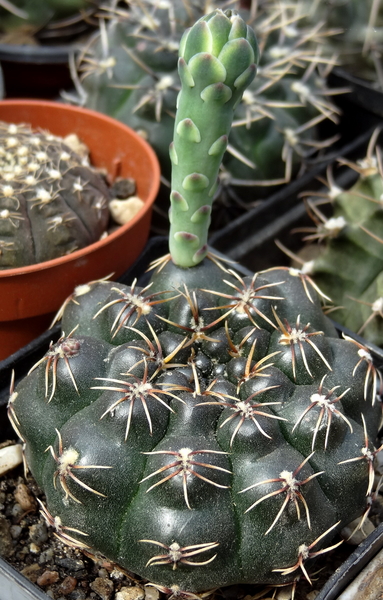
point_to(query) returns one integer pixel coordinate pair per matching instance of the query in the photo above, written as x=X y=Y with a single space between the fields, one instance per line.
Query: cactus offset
x=51 y=201
x=195 y=423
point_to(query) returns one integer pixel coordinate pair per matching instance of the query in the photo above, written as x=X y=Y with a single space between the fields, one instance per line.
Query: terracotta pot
x=29 y=296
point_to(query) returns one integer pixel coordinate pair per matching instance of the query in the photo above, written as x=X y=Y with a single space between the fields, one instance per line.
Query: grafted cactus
x=218 y=58
x=194 y=423
x=51 y=201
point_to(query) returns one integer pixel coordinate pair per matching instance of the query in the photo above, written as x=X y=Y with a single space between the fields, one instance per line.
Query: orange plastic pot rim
x=148 y=200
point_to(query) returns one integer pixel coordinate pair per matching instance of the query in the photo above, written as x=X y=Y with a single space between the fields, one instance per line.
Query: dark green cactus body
x=156 y=461
x=51 y=201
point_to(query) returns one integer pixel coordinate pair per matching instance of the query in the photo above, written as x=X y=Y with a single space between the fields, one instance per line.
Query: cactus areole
x=208 y=429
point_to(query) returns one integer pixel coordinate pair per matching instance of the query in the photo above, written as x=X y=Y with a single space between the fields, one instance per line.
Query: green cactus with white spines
x=52 y=202
x=194 y=423
x=346 y=245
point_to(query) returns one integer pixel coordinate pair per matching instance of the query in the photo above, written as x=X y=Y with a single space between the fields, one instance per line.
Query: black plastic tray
x=16 y=586
x=362 y=92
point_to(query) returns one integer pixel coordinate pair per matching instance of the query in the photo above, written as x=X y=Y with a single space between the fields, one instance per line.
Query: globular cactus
x=209 y=428
x=344 y=253
x=128 y=71
x=51 y=201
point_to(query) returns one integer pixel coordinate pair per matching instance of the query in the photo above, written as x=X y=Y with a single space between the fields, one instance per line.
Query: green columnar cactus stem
x=218 y=58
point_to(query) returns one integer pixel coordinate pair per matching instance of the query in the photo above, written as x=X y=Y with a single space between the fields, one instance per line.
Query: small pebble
x=71 y=564
x=285 y=593
x=17 y=511
x=151 y=593
x=102 y=587
x=38 y=533
x=10 y=458
x=117 y=574
x=15 y=531
x=130 y=593
x=32 y=572
x=34 y=548
x=24 y=498
x=68 y=585
x=46 y=556
x=123 y=188
x=103 y=573
x=47 y=578
x=76 y=145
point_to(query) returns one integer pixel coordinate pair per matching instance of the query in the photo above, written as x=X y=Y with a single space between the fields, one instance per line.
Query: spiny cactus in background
x=345 y=251
x=210 y=428
x=128 y=71
x=51 y=201
x=46 y=19
x=359 y=45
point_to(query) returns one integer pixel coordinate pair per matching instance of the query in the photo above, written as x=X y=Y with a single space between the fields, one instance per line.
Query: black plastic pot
x=35 y=71
x=16 y=586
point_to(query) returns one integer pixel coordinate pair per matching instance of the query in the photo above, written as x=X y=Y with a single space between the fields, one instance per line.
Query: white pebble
x=10 y=458
x=151 y=593
x=123 y=211
x=130 y=593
